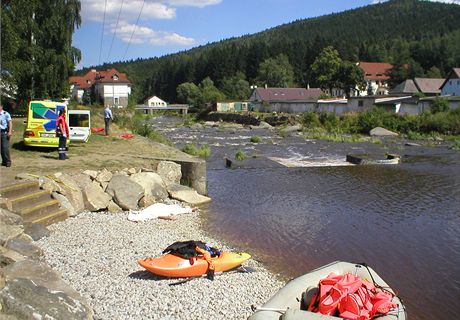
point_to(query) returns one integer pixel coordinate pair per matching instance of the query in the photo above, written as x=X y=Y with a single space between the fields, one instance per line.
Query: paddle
x=240 y=269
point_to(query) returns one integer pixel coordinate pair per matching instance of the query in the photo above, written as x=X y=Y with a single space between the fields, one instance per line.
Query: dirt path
x=99 y=152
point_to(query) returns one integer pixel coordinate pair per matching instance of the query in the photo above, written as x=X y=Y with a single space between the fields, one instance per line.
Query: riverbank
x=96 y=254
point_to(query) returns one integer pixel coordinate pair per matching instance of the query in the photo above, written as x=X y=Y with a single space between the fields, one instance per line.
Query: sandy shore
x=96 y=254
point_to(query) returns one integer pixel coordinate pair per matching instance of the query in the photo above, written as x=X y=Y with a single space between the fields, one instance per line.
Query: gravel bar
x=97 y=253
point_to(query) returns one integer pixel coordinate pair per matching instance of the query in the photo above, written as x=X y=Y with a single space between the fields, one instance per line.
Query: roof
x=288 y=94
x=454 y=74
x=375 y=70
x=429 y=85
x=407 y=86
x=93 y=76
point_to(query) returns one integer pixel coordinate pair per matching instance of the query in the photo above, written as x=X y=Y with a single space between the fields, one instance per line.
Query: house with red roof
x=290 y=100
x=451 y=86
x=376 y=78
x=109 y=87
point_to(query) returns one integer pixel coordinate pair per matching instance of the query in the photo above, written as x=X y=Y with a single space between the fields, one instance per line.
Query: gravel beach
x=97 y=254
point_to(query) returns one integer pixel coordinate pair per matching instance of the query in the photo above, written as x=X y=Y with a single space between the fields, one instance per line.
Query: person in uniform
x=62 y=131
x=6 y=127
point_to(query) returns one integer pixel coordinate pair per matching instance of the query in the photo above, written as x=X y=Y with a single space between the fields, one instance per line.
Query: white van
x=79 y=125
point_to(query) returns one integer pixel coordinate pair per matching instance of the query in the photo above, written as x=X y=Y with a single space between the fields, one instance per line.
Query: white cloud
x=122 y=23
x=444 y=1
x=144 y=35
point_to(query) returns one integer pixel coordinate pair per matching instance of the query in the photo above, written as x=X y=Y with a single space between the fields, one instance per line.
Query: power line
x=135 y=26
x=102 y=35
x=116 y=27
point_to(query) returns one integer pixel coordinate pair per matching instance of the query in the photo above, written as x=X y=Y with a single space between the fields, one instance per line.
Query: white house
x=451 y=86
x=289 y=100
x=376 y=78
x=155 y=102
x=109 y=87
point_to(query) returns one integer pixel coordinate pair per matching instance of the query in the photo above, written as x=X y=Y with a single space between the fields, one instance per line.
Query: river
x=295 y=204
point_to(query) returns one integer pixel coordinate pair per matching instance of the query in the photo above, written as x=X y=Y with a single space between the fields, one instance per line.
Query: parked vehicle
x=40 y=130
x=79 y=125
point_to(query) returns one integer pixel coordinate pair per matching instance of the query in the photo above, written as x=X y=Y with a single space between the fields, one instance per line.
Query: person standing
x=62 y=131
x=107 y=118
x=6 y=127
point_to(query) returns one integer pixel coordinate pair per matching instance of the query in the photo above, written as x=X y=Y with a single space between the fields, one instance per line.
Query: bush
x=240 y=155
x=204 y=151
x=310 y=120
x=256 y=139
x=439 y=105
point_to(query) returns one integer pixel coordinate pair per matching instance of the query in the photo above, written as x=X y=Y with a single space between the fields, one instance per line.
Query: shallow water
x=403 y=220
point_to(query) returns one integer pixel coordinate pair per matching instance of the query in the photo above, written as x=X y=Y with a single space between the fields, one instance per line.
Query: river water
x=295 y=204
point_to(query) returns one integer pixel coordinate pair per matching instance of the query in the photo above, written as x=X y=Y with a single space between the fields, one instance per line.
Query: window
x=78 y=120
x=116 y=101
x=360 y=103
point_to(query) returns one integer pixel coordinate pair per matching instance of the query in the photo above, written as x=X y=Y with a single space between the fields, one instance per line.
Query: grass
x=203 y=151
x=256 y=139
x=240 y=155
x=456 y=145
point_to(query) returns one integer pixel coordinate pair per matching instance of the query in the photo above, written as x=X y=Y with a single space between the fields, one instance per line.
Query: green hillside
x=420 y=34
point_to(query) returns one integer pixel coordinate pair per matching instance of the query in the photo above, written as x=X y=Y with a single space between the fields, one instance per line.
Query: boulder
x=113 y=207
x=152 y=183
x=65 y=204
x=186 y=194
x=25 y=248
x=132 y=171
x=91 y=173
x=146 y=201
x=24 y=299
x=8 y=257
x=25 y=176
x=382 y=132
x=9 y=218
x=125 y=192
x=265 y=125
x=104 y=176
x=82 y=179
x=170 y=172
x=49 y=184
x=8 y=232
x=292 y=129
x=71 y=191
x=94 y=197
x=36 y=231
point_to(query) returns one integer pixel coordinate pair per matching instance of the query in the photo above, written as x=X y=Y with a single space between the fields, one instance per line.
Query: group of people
x=62 y=132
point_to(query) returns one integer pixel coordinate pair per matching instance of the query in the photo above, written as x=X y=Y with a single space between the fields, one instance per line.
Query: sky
x=120 y=30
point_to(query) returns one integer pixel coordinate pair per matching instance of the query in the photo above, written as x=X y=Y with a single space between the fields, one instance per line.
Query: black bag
x=186 y=249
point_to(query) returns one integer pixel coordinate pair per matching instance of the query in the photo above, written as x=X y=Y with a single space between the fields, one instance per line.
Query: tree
x=439 y=105
x=209 y=92
x=39 y=54
x=349 y=77
x=325 y=68
x=276 y=72
x=236 y=87
x=434 y=72
x=189 y=93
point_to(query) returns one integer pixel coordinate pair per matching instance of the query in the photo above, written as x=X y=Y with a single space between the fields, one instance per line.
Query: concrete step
x=19 y=189
x=37 y=210
x=28 y=200
x=50 y=217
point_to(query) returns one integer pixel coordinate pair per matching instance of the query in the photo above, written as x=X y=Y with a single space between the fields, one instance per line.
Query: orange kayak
x=172 y=266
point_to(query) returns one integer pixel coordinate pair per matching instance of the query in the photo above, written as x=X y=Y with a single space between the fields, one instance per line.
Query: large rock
x=125 y=192
x=9 y=218
x=186 y=194
x=92 y=173
x=152 y=183
x=170 y=172
x=113 y=207
x=94 y=197
x=36 y=231
x=104 y=176
x=65 y=203
x=82 y=179
x=8 y=232
x=71 y=190
x=25 y=248
x=292 y=129
x=382 y=132
x=49 y=184
x=8 y=257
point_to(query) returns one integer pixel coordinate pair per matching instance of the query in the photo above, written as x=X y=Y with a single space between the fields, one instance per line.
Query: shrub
x=204 y=151
x=310 y=120
x=240 y=155
x=439 y=105
x=190 y=149
x=256 y=139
